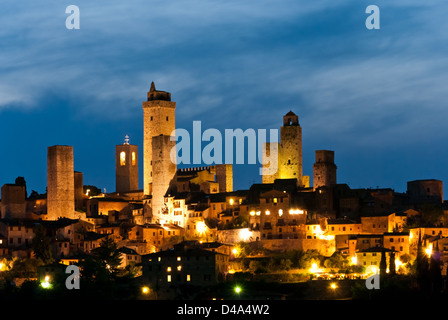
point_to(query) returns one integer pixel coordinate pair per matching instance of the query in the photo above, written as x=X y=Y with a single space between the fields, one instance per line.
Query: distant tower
x=289 y=151
x=164 y=171
x=324 y=169
x=158 y=119
x=126 y=167
x=224 y=177
x=60 y=182
x=290 y=160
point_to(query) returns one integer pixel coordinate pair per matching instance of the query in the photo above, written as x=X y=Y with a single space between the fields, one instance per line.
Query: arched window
x=133 y=158
x=122 y=158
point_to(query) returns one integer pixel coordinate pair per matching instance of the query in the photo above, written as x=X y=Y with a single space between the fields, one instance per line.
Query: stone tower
x=126 y=167
x=224 y=177
x=290 y=160
x=158 y=119
x=324 y=169
x=164 y=170
x=289 y=151
x=60 y=182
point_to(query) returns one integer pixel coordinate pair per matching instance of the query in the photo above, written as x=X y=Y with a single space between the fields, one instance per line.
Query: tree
x=107 y=253
x=435 y=273
x=41 y=245
x=422 y=268
x=383 y=263
x=392 y=267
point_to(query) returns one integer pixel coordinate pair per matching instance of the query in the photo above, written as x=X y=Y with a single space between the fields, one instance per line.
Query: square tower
x=126 y=167
x=164 y=171
x=324 y=169
x=290 y=160
x=60 y=182
x=288 y=152
x=158 y=119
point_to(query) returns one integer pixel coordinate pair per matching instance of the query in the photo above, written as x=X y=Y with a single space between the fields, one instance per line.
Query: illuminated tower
x=164 y=171
x=290 y=160
x=126 y=167
x=158 y=119
x=289 y=151
x=60 y=182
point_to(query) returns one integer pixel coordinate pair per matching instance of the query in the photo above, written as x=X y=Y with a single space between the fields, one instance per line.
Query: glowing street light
x=46 y=283
x=145 y=290
x=238 y=290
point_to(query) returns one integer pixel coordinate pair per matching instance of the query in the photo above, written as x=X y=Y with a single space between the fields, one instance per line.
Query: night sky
x=378 y=98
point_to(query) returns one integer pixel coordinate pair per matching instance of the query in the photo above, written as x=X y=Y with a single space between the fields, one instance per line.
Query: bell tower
x=126 y=167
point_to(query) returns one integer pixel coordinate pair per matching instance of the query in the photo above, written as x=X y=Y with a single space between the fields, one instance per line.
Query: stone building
x=13 y=204
x=60 y=182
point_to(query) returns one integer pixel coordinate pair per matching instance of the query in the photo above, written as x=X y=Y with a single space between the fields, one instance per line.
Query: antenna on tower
x=126 y=139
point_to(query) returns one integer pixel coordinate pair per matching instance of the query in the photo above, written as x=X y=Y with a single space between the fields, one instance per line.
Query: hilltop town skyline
x=375 y=97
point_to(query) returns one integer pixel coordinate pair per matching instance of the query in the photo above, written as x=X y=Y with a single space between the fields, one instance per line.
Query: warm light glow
x=145 y=290
x=46 y=283
x=122 y=158
x=238 y=289
x=268 y=212
x=235 y=251
x=178 y=258
x=201 y=227
x=428 y=250
x=133 y=158
x=280 y=212
x=296 y=211
x=231 y=201
x=372 y=269
x=398 y=263
x=245 y=234
x=333 y=286
x=354 y=260
x=179 y=268
x=168 y=269
x=314 y=268
x=257 y=213
x=252 y=213
x=87 y=192
x=188 y=277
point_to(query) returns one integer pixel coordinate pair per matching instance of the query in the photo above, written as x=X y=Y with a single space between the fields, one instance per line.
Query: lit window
x=178 y=258
x=134 y=160
x=188 y=277
x=168 y=278
x=168 y=269
x=179 y=268
x=122 y=158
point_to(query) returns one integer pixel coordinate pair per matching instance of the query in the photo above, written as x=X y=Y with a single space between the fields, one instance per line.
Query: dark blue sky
x=376 y=97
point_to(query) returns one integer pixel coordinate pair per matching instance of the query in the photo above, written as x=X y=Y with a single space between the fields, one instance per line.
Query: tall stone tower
x=60 y=182
x=288 y=150
x=324 y=169
x=164 y=171
x=224 y=177
x=126 y=167
x=290 y=160
x=158 y=119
